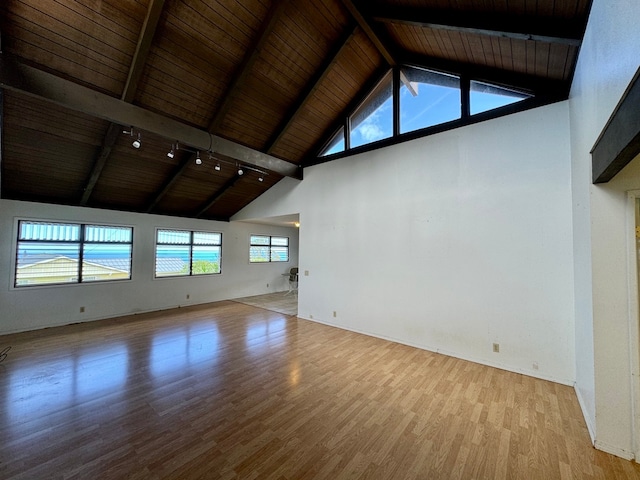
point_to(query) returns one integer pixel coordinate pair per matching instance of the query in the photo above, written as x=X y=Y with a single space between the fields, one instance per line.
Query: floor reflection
x=177 y=349
x=46 y=386
x=265 y=334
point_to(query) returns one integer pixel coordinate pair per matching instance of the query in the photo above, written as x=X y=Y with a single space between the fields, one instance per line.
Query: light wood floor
x=233 y=391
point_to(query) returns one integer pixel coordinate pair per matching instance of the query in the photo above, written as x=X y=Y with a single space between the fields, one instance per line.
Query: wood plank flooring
x=228 y=390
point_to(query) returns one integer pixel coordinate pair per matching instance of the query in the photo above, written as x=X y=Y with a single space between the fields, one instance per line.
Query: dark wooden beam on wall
x=37 y=83
x=228 y=185
x=619 y=142
x=565 y=32
x=244 y=69
x=135 y=72
x=375 y=36
x=311 y=88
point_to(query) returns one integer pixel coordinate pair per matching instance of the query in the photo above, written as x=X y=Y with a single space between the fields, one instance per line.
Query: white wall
x=38 y=307
x=451 y=242
x=608 y=60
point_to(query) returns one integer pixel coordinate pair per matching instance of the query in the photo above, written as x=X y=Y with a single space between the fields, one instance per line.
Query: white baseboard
x=481 y=361
x=585 y=415
x=618 y=452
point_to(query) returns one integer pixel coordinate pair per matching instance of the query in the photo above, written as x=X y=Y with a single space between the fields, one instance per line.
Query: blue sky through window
x=426 y=99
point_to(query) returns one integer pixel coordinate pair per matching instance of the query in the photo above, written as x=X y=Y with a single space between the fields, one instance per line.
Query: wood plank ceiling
x=271 y=77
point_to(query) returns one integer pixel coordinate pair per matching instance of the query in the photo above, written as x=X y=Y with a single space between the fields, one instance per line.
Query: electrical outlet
x=311 y=316
x=267 y=285
x=496 y=348
x=306 y=273
x=334 y=314
x=188 y=296
x=535 y=365
x=81 y=309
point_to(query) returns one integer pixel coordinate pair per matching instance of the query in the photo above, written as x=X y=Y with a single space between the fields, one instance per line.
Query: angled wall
x=451 y=243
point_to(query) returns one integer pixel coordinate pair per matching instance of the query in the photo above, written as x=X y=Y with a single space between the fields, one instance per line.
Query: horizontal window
x=185 y=252
x=58 y=253
x=265 y=248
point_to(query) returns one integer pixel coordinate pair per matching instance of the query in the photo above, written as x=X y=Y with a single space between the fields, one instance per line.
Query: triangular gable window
x=485 y=97
x=373 y=119
x=335 y=145
x=427 y=99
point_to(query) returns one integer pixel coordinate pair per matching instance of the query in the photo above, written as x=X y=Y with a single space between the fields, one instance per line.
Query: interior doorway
x=634 y=311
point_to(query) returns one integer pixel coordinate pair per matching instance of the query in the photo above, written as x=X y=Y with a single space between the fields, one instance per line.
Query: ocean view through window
x=185 y=253
x=60 y=253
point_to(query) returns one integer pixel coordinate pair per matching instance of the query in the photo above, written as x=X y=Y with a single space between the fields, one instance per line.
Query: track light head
x=198 y=159
x=137 y=142
x=240 y=171
x=261 y=179
x=217 y=167
x=172 y=153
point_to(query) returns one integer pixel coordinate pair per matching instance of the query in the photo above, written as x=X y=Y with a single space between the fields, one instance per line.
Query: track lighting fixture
x=240 y=171
x=261 y=179
x=217 y=167
x=172 y=153
x=198 y=159
x=137 y=143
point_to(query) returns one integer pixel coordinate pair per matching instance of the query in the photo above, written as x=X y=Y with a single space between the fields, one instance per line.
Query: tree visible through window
x=265 y=248
x=184 y=252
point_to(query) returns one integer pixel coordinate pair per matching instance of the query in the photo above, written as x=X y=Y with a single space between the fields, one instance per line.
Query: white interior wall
x=37 y=307
x=450 y=243
x=608 y=60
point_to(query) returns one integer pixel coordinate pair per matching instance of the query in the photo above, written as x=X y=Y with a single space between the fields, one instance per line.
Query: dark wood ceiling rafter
x=545 y=30
x=244 y=69
x=528 y=83
x=142 y=49
x=135 y=72
x=217 y=195
x=236 y=83
x=339 y=123
x=372 y=33
x=311 y=88
x=187 y=160
x=20 y=77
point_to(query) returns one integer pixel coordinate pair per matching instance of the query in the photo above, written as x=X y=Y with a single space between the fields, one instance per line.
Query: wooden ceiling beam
x=371 y=32
x=314 y=151
x=565 y=32
x=249 y=60
x=37 y=83
x=228 y=185
x=135 y=72
x=113 y=132
x=311 y=88
x=142 y=49
x=175 y=175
